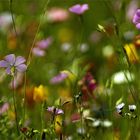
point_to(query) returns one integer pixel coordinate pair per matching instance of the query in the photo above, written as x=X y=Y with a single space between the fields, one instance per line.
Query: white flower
x=120 y=106
x=132 y=107
x=122 y=77
x=96 y=123
x=106 y=123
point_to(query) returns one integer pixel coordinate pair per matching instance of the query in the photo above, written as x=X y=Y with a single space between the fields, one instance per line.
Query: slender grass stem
x=11 y=10
x=38 y=28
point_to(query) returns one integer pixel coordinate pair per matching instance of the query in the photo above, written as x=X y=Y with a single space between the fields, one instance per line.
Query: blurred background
x=93 y=57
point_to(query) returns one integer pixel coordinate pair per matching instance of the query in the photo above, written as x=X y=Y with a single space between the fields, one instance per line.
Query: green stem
x=38 y=28
x=15 y=108
x=24 y=102
x=11 y=10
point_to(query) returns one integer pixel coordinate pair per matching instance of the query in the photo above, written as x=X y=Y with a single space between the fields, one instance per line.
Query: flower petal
x=10 y=59
x=138 y=26
x=38 y=52
x=84 y=7
x=8 y=70
x=79 y=9
x=75 y=9
x=21 y=68
x=3 y=63
x=19 y=60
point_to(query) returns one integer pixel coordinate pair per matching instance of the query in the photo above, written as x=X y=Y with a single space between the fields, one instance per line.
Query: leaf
x=119 y=101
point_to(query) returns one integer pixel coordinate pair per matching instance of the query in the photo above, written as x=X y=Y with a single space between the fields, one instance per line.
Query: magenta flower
x=136 y=19
x=13 y=64
x=59 y=78
x=79 y=9
x=55 y=111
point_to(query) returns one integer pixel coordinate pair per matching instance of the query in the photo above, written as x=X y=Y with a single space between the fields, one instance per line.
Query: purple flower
x=59 y=78
x=55 y=111
x=44 y=44
x=79 y=9
x=136 y=19
x=13 y=64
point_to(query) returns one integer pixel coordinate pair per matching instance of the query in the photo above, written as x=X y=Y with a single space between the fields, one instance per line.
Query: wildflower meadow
x=69 y=69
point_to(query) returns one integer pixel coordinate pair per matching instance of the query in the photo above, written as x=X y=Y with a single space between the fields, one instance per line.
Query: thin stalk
x=24 y=102
x=38 y=28
x=15 y=108
x=11 y=10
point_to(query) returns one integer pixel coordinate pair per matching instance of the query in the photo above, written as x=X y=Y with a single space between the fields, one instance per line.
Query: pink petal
x=19 y=60
x=10 y=59
x=138 y=26
x=84 y=7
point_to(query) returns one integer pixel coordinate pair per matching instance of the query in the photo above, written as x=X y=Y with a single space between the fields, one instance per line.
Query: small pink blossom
x=38 y=52
x=57 y=15
x=4 y=108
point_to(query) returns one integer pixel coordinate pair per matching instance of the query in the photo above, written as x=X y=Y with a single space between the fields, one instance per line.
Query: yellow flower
x=40 y=93
x=58 y=124
x=131 y=53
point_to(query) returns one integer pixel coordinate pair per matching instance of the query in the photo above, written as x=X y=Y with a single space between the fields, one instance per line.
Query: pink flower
x=136 y=19
x=38 y=52
x=4 y=108
x=41 y=45
x=57 y=15
x=79 y=9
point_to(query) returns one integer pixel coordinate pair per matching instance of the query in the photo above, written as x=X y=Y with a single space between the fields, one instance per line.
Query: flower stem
x=15 y=108
x=24 y=103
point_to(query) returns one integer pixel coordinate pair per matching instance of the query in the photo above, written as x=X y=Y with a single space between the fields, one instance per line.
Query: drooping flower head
x=136 y=19
x=13 y=64
x=79 y=9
